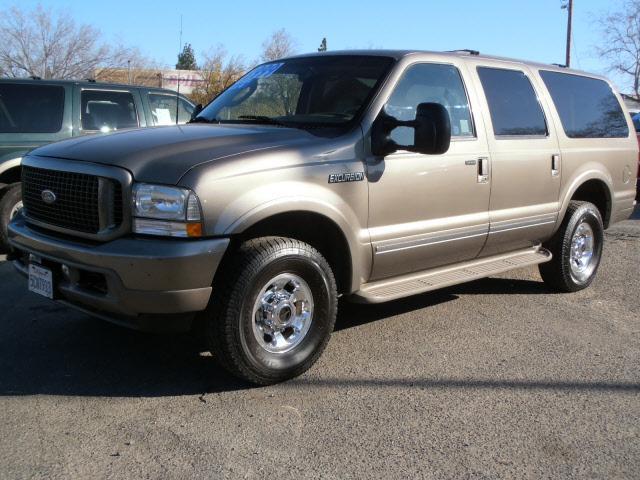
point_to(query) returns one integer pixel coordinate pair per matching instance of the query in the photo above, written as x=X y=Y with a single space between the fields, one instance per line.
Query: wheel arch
x=10 y=171
x=325 y=229
x=594 y=187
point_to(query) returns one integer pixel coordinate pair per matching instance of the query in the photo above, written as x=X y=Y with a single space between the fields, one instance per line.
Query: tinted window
x=107 y=111
x=513 y=103
x=163 y=109
x=636 y=122
x=31 y=108
x=430 y=83
x=587 y=106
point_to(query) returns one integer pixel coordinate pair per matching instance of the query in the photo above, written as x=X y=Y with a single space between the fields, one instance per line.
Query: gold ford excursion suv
x=374 y=175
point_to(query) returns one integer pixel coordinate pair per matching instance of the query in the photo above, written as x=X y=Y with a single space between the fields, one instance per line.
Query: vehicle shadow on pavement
x=73 y=354
x=53 y=350
x=352 y=314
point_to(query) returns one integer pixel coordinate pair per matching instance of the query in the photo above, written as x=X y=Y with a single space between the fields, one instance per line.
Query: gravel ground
x=498 y=378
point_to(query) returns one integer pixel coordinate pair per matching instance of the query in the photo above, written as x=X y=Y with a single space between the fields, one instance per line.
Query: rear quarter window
x=587 y=106
x=28 y=108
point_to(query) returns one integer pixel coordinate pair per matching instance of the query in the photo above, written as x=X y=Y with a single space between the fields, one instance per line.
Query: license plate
x=40 y=280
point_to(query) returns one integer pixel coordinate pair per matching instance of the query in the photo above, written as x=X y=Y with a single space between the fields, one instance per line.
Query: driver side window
x=430 y=83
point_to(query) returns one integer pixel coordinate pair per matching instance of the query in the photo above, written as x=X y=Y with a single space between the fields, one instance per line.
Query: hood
x=165 y=154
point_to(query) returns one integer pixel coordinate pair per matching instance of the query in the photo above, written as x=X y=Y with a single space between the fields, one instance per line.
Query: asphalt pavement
x=499 y=378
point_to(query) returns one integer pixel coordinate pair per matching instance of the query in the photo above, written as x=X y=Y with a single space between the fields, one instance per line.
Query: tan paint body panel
x=282 y=180
x=416 y=212
x=414 y=223
x=524 y=192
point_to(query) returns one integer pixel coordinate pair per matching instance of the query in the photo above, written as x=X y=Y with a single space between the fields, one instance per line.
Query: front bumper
x=127 y=280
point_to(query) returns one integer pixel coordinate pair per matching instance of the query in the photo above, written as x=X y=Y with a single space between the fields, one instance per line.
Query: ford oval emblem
x=48 y=197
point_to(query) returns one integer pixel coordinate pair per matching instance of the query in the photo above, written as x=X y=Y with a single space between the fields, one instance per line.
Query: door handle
x=555 y=165
x=483 y=170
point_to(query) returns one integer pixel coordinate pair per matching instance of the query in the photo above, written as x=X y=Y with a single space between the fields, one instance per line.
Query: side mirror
x=432 y=131
x=196 y=111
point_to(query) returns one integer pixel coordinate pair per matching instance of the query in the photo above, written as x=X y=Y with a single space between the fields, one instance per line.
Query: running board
x=419 y=282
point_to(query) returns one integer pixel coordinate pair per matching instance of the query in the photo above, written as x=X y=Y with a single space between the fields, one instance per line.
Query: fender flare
x=576 y=182
x=7 y=165
x=344 y=219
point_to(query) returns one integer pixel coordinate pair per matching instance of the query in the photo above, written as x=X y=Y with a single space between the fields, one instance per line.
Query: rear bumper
x=127 y=279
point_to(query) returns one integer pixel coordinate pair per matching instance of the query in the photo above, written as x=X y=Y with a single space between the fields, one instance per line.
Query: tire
x=253 y=328
x=9 y=202
x=567 y=272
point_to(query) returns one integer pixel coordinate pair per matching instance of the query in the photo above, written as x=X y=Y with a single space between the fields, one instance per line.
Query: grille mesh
x=77 y=199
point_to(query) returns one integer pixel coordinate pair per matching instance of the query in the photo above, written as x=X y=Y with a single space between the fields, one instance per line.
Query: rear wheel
x=10 y=205
x=273 y=314
x=576 y=249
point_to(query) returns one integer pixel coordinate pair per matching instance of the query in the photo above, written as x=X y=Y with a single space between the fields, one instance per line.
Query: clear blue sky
x=529 y=29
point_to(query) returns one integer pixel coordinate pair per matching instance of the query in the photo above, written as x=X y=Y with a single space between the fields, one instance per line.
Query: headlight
x=166 y=211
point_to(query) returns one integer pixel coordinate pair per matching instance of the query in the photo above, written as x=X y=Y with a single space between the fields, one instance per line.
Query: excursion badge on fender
x=346 y=177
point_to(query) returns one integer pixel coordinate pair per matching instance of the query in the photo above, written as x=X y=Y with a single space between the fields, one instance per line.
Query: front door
x=429 y=210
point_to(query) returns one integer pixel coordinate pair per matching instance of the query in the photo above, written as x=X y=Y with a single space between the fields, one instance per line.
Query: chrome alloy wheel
x=282 y=313
x=14 y=211
x=583 y=258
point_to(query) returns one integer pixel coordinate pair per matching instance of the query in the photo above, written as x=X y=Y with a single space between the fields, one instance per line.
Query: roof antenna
x=178 y=71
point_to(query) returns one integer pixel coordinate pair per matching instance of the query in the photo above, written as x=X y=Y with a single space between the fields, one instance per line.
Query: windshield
x=299 y=92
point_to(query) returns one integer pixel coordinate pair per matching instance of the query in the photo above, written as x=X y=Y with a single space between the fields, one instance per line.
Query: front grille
x=77 y=203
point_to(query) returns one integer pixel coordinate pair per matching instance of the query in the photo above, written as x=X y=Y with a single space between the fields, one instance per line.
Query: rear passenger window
x=513 y=104
x=435 y=83
x=26 y=108
x=106 y=110
x=587 y=106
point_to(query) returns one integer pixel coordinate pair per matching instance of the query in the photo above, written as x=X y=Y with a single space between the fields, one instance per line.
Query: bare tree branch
x=219 y=71
x=279 y=45
x=621 y=40
x=47 y=45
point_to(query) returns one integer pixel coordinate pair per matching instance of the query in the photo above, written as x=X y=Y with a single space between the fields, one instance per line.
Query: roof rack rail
x=475 y=53
x=561 y=65
x=35 y=77
x=90 y=80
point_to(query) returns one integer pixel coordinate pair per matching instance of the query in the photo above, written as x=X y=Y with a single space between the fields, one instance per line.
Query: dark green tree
x=187 y=59
x=323 y=45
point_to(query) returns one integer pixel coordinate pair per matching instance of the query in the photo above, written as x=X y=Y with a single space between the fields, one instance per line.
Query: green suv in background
x=35 y=112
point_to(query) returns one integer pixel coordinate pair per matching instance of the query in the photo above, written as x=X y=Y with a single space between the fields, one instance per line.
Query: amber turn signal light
x=194 y=229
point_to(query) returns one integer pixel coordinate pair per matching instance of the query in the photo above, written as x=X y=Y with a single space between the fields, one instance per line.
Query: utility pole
x=180 y=46
x=569 y=7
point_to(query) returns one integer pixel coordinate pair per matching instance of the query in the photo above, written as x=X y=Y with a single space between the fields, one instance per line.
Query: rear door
x=525 y=160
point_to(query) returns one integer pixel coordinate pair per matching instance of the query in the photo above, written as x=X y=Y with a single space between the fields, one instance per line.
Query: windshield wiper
x=264 y=119
x=202 y=120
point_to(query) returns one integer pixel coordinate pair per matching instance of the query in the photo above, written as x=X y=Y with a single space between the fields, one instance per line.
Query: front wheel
x=273 y=310
x=576 y=249
x=10 y=205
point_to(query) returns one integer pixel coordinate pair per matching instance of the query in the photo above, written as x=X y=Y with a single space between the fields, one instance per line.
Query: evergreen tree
x=187 y=59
